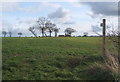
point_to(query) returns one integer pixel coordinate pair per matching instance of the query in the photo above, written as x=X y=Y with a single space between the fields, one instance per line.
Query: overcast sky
x=82 y=16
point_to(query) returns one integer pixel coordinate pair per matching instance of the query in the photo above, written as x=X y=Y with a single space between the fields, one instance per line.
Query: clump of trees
x=20 y=34
x=4 y=33
x=69 y=31
x=10 y=33
x=45 y=25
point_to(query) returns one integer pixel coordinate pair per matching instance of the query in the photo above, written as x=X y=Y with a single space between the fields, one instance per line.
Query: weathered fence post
x=104 y=36
x=103 y=24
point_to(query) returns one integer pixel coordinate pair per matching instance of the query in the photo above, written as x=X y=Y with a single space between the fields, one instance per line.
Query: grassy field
x=62 y=58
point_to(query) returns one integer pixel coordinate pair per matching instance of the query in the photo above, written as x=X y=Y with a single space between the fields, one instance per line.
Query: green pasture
x=53 y=58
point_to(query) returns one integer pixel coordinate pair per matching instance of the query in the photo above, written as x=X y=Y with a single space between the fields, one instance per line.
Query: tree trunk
x=55 y=34
x=42 y=33
x=45 y=34
x=34 y=34
x=50 y=33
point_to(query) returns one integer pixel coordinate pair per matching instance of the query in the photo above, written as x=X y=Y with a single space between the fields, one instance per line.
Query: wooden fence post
x=104 y=37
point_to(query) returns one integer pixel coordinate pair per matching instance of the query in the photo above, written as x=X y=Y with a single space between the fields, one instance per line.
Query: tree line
x=10 y=34
x=44 y=25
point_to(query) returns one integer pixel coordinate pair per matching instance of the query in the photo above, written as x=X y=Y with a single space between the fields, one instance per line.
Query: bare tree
x=111 y=31
x=56 y=30
x=50 y=26
x=4 y=33
x=69 y=31
x=19 y=34
x=42 y=25
x=85 y=34
x=10 y=34
x=32 y=30
x=97 y=30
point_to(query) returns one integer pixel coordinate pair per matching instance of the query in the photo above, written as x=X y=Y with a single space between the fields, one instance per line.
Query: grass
x=49 y=58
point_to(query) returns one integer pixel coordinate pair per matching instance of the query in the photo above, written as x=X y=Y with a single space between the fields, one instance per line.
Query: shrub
x=98 y=72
